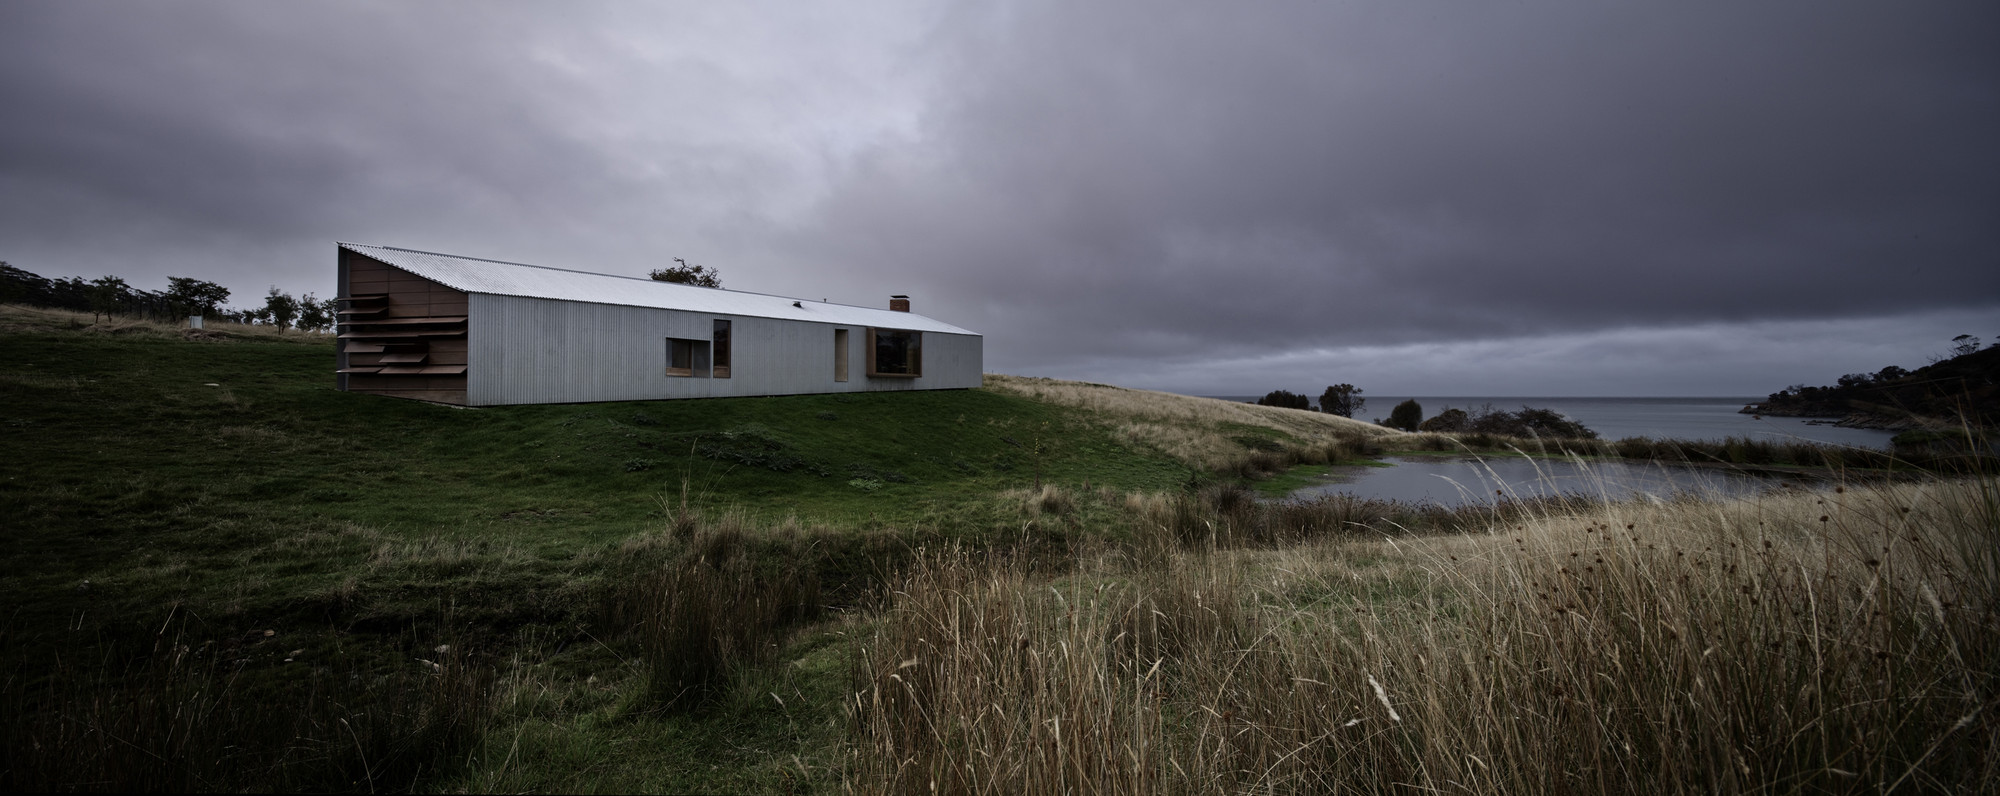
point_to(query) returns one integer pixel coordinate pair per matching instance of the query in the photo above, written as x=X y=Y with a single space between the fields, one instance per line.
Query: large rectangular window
x=895 y=353
x=687 y=358
x=720 y=349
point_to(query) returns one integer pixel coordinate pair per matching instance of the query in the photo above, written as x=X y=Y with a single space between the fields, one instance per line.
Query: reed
x=981 y=682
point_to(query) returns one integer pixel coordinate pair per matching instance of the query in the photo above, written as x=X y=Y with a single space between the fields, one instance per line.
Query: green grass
x=122 y=442
x=777 y=733
x=227 y=485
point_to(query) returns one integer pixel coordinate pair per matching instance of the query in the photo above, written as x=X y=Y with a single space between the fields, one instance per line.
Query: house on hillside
x=472 y=332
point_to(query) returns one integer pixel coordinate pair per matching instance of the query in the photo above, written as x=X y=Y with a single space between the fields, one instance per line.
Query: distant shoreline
x=1687 y=418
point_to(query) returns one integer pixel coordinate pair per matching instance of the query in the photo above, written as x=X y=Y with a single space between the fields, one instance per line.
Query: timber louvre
x=475 y=332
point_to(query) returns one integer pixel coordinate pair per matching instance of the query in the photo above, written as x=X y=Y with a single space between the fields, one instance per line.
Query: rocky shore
x=1854 y=419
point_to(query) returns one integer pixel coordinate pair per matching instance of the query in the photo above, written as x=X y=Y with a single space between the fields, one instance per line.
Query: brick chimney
x=899 y=303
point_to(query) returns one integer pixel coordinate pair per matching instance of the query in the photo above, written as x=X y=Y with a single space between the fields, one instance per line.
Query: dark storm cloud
x=1154 y=193
x=1147 y=180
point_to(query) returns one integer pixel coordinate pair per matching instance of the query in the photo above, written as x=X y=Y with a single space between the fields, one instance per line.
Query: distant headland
x=1950 y=393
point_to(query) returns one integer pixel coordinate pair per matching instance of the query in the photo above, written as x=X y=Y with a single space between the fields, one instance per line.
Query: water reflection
x=1459 y=480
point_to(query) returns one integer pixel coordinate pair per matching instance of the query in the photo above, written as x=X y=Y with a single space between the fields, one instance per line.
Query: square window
x=895 y=353
x=687 y=358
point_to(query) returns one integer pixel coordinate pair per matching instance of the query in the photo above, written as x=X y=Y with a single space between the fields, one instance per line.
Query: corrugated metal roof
x=474 y=275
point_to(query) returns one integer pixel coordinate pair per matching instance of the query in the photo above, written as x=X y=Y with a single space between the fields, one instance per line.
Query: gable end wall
x=409 y=297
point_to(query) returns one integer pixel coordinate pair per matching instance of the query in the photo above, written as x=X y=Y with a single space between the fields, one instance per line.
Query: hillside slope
x=1204 y=433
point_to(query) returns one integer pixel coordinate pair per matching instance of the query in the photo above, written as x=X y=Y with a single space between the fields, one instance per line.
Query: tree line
x=1345 y=400
x=183 y=297
x=1339 y=399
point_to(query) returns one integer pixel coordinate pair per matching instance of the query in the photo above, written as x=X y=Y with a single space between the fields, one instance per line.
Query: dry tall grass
x=22 y=318
x=1195 y=431
x=1837 y=641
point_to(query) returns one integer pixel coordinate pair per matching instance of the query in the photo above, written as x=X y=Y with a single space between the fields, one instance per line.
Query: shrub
x=1286 y=399
x=1529 y=423
x=1407 y=416
x=1446 y=422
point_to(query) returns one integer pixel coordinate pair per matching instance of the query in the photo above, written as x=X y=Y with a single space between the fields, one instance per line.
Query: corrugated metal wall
x=528 y=350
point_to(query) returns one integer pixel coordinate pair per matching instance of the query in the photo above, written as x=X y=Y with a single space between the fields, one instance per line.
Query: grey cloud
x=1371 y=173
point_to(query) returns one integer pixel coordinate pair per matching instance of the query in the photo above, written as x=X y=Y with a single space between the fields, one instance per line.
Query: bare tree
x=684 y=274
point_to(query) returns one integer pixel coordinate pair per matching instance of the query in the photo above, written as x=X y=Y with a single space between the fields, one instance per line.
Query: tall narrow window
x=840 y=355
x=895 y=353
x=721 y=349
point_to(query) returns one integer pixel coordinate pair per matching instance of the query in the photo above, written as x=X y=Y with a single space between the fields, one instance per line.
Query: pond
x=1459 y=480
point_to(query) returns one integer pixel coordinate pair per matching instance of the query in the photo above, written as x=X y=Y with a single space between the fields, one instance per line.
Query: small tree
x=106 y=293
x=315 y=315
x=1286 y=399
x=684 y=274
x=194 y=296
x=1342 y=399
x=281 y=308
x=1964 y=344
x=1406 y=416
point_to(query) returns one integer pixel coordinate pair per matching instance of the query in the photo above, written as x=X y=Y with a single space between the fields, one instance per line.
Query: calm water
x=1659 y=418
x=1457 y=480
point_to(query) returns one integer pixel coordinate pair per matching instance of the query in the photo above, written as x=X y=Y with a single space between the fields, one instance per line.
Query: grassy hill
x=224 y=469
x=216 y=482
x=223 y=574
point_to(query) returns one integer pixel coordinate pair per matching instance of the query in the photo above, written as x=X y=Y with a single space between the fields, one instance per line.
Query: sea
x=1659 y=418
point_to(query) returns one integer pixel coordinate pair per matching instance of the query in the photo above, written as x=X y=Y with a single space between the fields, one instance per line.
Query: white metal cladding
x=530 y=350
x=494 y=277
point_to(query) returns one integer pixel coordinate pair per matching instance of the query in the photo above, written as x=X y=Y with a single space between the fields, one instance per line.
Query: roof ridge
x=611 y=276
x=510 y=262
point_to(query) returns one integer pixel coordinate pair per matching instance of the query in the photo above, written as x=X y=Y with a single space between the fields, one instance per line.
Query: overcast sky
x=1420 y=198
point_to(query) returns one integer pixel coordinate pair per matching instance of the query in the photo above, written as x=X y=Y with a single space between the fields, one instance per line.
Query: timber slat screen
x=402 y=335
